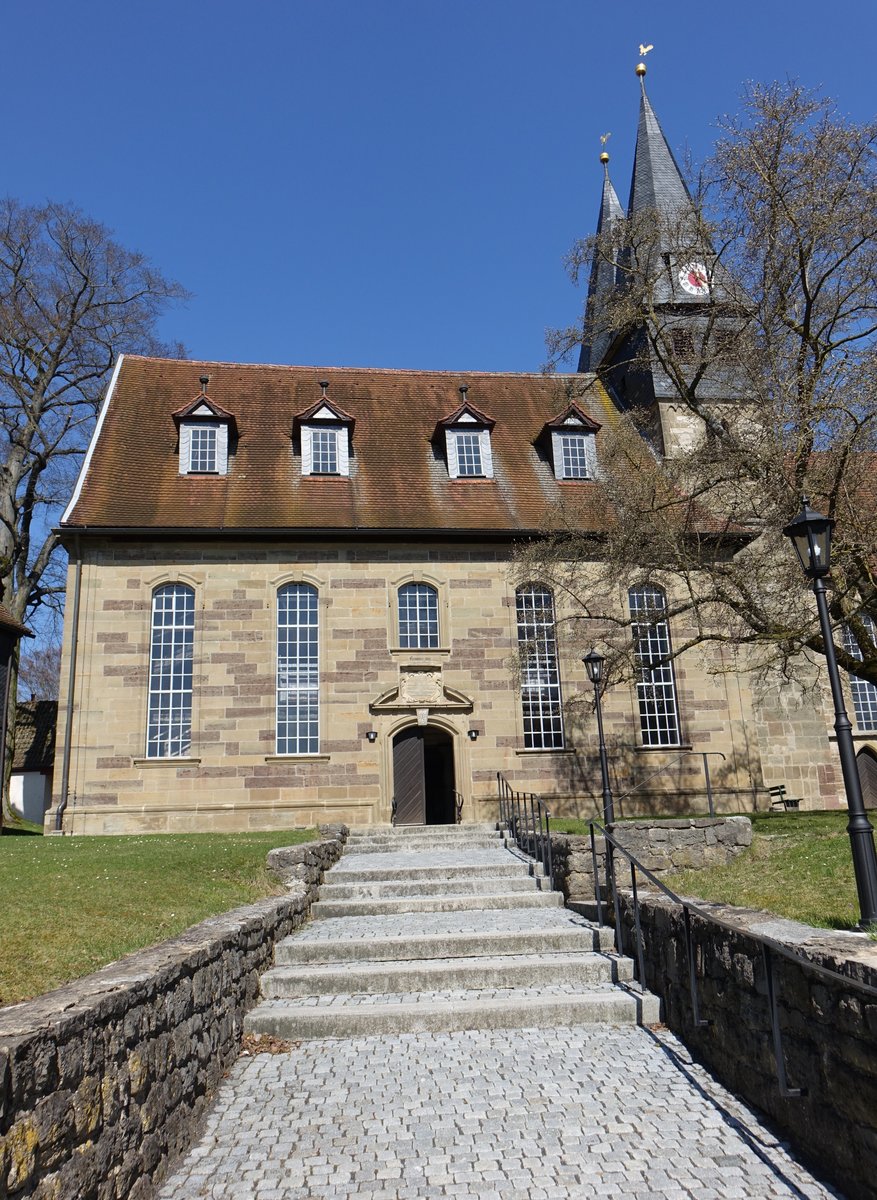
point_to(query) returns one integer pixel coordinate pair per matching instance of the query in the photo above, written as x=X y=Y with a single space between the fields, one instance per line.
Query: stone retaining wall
x=673 y=845
x=104 y=1080
x=829 y=1029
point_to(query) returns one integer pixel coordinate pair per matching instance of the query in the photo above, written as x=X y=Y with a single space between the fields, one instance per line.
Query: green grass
x=799 y=866
x=70 y=905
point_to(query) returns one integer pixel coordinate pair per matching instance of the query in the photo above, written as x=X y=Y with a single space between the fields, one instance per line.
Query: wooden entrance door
x=409 y=783
x=867 y=764
x=423 y=776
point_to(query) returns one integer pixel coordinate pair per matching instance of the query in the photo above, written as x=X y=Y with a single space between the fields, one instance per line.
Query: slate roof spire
x=603 y=277
x=656 y=181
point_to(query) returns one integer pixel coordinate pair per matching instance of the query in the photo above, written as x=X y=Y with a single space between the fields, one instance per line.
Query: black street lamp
x=594 y=664
x=810 y=534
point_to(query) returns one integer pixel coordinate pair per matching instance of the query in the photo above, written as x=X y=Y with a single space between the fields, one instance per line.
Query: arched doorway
x=423 y=776
x=866 y=760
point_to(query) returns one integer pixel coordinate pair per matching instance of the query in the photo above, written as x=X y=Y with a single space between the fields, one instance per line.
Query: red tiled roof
x=398 y=478
x=7 y=621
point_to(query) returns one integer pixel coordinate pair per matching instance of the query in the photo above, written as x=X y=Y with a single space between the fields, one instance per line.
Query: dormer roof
x=203 y=407
x=573 y=418
x=323 y=410
x=465 y=414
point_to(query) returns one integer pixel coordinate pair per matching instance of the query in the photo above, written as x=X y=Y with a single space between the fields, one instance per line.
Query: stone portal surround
x=106 y=1079
x=660 y=846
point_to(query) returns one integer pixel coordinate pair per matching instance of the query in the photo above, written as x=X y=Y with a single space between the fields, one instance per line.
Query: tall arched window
x=864 y=693
x=540 y=678
x=418 y=617
x=656 y=683
x=298 y=670
x=169 y=720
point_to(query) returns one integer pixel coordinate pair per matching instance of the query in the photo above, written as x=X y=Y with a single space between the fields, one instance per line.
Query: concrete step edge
x=439 y=945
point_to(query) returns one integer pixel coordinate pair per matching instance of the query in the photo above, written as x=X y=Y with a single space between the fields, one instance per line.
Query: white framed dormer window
x=573 y=453
x=325 y=432
x=203 y=448
x=469 y=453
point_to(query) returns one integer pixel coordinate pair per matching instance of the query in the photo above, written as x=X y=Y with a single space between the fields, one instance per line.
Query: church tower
x=680 y=344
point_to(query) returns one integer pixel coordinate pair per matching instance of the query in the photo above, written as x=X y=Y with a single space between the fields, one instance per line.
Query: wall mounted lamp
x=473 y=735
x=372 y=735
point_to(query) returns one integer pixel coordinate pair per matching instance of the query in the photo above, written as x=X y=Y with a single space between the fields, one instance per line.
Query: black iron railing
x=770 y=949
x=528 y=821
x=703 y=755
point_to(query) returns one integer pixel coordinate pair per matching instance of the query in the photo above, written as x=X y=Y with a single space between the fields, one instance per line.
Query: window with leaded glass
x=169 y=719
x=864 y=693
x=540 y=677
x=656 y=683
x=418 y=617
x=298 y=670
x=324 y=449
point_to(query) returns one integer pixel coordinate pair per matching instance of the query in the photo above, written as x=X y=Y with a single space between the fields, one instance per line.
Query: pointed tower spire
x=603 y=275
x=656 y=181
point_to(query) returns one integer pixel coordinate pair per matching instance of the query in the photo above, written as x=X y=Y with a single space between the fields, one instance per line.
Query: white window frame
x=342 y=449
x=484 y=448
x=298 y=670
x=186 y=448
x=864 y=693
x=171 y=653
x=422 y=629
x=541 y=699
x=558 y=439
x=655 y=680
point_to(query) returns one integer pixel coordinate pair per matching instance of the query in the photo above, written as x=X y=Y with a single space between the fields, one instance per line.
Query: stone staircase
x=439 y=929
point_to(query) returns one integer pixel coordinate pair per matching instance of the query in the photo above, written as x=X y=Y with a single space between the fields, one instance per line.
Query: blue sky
x=380 y=183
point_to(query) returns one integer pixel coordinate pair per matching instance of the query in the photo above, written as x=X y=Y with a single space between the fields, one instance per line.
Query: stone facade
x=233 y=778
x=104 y=1080
x=829 y=1026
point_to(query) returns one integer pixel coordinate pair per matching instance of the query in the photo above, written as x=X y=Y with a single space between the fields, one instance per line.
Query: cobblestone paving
x=412 y=925
x=557 y=1114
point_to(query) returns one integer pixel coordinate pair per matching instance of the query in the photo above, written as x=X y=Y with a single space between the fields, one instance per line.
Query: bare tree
x=774 y=378
x=39 y=671
x=71 y=299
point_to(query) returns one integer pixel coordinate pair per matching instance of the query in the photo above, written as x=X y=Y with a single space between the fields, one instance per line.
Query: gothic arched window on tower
x=540 y=677
x=655 y=679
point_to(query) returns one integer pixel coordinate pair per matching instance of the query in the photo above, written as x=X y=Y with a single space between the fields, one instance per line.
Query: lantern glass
x=810 y=534
x=594 y=666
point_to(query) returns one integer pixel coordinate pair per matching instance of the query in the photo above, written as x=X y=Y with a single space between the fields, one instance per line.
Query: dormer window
x=467 y=441
x=206 y=431
x=572 y=441
x=324 y=433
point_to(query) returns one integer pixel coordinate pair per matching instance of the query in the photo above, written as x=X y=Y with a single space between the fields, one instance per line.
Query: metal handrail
x=704 y=755
x=524 y=815
x=770 y=947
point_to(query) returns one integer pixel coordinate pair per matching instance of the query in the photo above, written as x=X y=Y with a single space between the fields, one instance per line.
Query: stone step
x=350 y=871
x=390 y=887
x=450 y=1011
x=581 y=968
x=380 y=946
x=426 y=904
x=420 y=846
x=367 y=831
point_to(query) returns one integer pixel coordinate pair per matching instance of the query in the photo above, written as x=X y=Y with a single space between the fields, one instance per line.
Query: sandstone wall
x=829 y=1027
x=104 y=1080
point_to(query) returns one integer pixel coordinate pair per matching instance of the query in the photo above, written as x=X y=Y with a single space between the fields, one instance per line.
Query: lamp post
x=594 y=664
x=810 y=534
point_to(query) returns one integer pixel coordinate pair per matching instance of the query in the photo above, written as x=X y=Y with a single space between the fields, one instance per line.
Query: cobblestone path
x=577 y=1112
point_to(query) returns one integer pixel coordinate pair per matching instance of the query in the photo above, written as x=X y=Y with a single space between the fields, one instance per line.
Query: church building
x=292 y=598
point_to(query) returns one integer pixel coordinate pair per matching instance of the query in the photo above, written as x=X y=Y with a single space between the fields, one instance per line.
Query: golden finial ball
x=604 y=157
x=641 y=69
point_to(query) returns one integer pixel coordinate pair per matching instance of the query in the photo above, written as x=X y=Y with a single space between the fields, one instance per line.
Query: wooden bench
x=779 y=799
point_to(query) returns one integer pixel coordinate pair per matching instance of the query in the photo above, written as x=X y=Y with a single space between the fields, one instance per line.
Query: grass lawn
x=70 y=905
x=799 y=866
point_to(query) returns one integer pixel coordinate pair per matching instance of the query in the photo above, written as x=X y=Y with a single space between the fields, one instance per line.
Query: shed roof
x=35 y=722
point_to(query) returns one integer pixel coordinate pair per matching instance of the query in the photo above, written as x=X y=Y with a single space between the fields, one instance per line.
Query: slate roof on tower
x=603 y=278
x=398 y=474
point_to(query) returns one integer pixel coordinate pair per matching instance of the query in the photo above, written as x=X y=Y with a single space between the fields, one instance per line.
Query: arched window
x=540 y=678
x=656 y=683
x=169 y=720
x=298 y=670
x=864 y=693
x=418 y=617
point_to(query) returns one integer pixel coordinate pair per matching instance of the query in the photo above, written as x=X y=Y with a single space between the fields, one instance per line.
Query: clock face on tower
x=693 y=279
